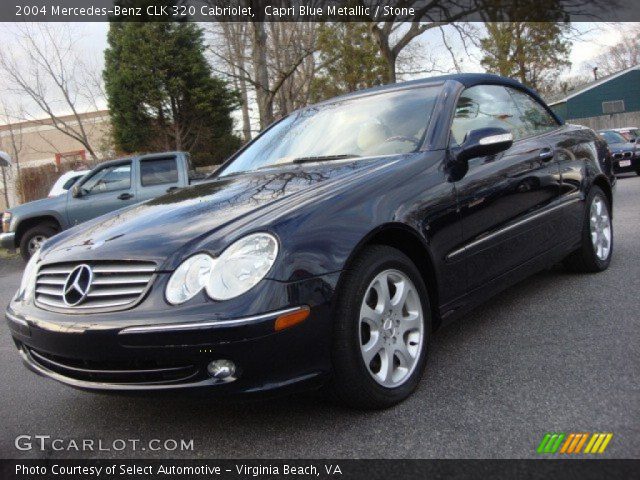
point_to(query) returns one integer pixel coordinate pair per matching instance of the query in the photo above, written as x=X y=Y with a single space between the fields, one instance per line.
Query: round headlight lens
x=242 y=266
x=189 y=278
x=28 y=283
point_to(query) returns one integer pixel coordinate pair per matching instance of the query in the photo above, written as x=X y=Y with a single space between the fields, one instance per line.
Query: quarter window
x=158 y=171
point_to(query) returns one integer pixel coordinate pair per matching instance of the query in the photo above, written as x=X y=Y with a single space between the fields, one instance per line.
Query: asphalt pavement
x=558 y=352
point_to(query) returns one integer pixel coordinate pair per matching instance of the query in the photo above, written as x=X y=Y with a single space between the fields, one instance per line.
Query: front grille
x=119 y=372
x=115 y=285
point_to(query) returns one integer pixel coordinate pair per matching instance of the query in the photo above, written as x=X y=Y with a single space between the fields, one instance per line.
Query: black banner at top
x=319 y=10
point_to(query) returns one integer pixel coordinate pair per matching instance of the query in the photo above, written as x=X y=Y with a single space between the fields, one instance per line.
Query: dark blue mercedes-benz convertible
x=326 y=251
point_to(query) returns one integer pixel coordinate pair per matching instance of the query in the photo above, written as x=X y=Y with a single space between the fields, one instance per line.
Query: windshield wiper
x=324 y=158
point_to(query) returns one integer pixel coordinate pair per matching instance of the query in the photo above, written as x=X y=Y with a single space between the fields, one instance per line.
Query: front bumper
x=7 y=240
x=633 y=166
x=109 y=355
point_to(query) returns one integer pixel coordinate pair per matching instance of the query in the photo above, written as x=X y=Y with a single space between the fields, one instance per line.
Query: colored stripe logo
x=574 y=443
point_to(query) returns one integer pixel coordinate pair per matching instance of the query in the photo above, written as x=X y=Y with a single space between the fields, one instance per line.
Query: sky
x=593 y=38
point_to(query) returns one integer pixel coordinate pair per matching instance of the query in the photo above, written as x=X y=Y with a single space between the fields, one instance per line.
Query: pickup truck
x=109 y=186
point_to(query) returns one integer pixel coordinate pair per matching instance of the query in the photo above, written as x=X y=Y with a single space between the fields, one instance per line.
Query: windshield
x=613 y=137
x=380 y=124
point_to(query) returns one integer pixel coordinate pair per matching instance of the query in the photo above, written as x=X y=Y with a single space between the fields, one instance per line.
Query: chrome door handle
x=545 y=154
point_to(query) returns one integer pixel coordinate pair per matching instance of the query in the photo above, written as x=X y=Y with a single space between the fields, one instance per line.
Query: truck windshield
x=379 y=124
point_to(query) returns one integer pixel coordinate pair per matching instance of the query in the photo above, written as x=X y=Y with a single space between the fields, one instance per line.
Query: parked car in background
x=66 y=181
x=326 y=251
x=630 y=133
x=625 y=154
x=110 y=186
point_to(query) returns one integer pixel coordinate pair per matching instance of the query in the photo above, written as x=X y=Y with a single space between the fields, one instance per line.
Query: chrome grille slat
x=115 y=285
x=115 y=292
x=49 y=291
x=119 y=280
x=51 y=281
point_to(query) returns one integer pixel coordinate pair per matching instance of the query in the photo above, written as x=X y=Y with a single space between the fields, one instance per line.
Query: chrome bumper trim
x=178 y=327
x=7 y=240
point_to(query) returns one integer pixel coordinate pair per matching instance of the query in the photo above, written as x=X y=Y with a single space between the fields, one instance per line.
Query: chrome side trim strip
x=177 y=327
x=508 y=228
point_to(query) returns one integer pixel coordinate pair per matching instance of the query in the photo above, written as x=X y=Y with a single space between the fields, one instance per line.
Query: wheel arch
x=602 y=182
x=408 y=241
x=31 y=222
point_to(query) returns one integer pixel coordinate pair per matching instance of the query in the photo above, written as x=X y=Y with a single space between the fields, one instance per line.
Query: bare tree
x=622 y=55
x=45 y=68
x=396 y=32
x=11 y=142
x=273 y=60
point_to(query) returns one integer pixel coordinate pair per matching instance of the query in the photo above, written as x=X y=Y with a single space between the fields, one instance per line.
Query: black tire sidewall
x=43 y=230
x=350 y=371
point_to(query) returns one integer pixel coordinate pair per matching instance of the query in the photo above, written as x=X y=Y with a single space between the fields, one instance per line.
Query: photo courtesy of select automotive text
x=319 y=239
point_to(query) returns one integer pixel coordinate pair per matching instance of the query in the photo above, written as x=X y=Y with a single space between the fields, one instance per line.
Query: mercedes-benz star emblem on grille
x=77 y=285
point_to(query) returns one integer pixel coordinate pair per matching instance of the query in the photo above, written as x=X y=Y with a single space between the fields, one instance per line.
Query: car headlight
x=28 y=283
x=189 y=278
x=238 y=269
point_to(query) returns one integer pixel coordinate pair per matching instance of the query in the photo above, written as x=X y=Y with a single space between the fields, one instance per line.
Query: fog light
x=222 y=370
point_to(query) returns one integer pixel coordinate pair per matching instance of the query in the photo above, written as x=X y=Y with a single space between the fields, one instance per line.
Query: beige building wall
x=39 y=142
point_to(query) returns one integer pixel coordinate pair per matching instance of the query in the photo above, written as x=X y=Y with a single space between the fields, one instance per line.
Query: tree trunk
x=259 y=57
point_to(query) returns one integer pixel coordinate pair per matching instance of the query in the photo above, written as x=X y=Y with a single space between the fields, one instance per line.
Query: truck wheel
x=381 y=331
x=33 y=238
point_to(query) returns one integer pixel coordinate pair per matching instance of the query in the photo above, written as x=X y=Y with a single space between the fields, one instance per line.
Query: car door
x=502 y=197
x=159 y=175
x=105 y=190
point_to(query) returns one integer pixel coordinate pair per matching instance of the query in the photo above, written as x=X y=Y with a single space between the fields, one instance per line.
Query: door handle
x=545 y=154
x=125 y=196
x=171 y=189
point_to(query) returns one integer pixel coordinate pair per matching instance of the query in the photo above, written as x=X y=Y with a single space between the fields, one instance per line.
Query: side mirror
x=483 y=142
x=633 y=140
x=76 y=191
x=478 y=143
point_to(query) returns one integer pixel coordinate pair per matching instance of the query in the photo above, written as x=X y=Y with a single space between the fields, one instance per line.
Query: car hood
x=155 y=229
x=42 y=206
x=622 y=147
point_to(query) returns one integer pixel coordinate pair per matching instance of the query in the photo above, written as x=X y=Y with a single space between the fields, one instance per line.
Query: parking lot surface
x=557 y=353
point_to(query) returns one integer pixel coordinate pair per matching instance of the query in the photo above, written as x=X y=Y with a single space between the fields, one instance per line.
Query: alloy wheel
x=600 y=225
x=35 y=243
x=391 y=328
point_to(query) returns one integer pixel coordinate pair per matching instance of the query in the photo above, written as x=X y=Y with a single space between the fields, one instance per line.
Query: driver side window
x=484 y=106
x=109 y=179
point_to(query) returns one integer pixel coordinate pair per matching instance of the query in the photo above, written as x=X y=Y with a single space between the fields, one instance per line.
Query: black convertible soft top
x=466 y=79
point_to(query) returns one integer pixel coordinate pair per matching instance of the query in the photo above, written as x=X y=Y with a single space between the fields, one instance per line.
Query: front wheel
x=33 y=239
x=382 y=326
x=594 y=255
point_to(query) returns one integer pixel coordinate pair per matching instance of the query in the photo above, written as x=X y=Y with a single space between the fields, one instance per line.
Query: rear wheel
x=382 y=327
x=33 y=239
x=594 y=255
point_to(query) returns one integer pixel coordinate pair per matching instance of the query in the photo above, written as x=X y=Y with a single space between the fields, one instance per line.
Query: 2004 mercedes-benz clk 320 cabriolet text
x=326 y=251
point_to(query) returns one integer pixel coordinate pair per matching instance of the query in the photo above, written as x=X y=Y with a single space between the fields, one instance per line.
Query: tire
x=585 y=259
x=42 y=231
x=354 y=381
x=638 y=172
